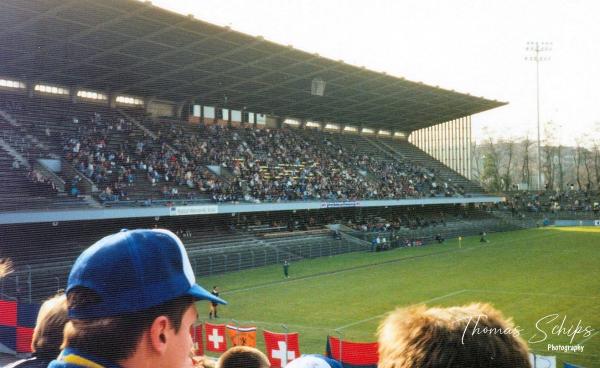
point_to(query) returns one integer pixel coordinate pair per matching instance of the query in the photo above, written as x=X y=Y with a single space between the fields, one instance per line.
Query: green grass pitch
x=526 y=274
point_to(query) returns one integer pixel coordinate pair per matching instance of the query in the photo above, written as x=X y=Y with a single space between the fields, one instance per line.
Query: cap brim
x=198 y=292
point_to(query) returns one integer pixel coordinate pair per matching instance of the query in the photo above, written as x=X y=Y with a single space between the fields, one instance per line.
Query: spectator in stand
x=131 y=301
x=475 y=335
x=47 y=335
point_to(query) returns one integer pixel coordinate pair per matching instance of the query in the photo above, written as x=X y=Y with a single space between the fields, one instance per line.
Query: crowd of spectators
x=116 y=156
x=554 y=201
x=284 y=165
x=178 y=161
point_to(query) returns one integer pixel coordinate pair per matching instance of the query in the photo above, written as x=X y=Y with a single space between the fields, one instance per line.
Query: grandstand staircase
x=13 y=153
x=90 y=201
x=140 y=125
x=348 y=234
x=388 y=152
x=9 y=118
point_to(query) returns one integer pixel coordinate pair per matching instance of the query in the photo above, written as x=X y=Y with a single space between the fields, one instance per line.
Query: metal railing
x=36 y=284
x=217 y=261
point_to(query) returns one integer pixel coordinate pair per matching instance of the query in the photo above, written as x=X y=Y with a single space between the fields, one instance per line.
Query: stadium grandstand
x=119 y=114
x=122 y=114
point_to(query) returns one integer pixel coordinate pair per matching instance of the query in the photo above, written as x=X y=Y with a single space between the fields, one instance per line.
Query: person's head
x=243 y=357
x=131 y=300
x=475 y=335
x=49 y=326
x=314 y=361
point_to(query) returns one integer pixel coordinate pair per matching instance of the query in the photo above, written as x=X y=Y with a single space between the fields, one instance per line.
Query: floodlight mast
x=537 y=49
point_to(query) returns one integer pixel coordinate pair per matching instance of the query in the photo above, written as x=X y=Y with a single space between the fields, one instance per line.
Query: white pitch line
x=383 y=314
x=588 y=338
x=532 y=294
x=277 y=324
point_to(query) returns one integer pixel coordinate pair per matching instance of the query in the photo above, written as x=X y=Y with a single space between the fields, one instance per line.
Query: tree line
x=510 y=164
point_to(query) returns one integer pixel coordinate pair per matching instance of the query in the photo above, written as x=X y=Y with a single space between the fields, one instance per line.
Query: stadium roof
x=135 y=48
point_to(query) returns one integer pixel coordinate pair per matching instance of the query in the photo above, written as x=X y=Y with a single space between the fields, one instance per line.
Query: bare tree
x=578 y=158
x=597 y=164
x=507 y=177
x=596 y=153
x=548 y=153
x=491 y=172
x=525 y=169
x=560 y=167
x=476 y=158
x=548 y=166
x=586 y=165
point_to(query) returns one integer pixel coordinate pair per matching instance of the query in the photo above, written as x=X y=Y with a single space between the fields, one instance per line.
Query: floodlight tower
x=537 y=51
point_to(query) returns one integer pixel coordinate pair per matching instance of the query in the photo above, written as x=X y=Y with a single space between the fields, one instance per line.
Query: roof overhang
x=131 y=47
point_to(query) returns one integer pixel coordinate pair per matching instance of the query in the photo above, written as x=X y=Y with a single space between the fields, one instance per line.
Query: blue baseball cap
x=134 y=270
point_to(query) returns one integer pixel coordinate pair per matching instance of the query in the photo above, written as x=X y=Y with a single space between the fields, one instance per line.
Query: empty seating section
x=26 y=188
x=18 y=190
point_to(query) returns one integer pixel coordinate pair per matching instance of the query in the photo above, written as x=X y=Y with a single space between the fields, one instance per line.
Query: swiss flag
x=281 y=348
x=198 y=341
x=215 y=338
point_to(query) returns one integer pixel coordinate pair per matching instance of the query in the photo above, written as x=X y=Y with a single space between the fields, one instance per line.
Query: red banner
x=215 y=338
x=281 y=348
x=359 y=354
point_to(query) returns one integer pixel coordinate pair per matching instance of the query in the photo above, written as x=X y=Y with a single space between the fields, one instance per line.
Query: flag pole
x=341 y=337
x=285 y=328
x=460 y=242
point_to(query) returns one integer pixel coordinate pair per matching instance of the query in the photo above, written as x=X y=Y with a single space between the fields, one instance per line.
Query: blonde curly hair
x=474 y=335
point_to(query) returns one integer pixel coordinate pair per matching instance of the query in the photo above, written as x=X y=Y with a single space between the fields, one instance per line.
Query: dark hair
x=115 y=338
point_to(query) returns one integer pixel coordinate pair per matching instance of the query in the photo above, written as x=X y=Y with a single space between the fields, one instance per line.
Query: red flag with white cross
x=281 y=348
x=215 y=338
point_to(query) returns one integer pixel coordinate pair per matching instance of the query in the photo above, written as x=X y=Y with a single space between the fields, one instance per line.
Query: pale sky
x=471 y=46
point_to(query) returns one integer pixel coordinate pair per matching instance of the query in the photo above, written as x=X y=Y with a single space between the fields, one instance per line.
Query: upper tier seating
x=135 y=160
